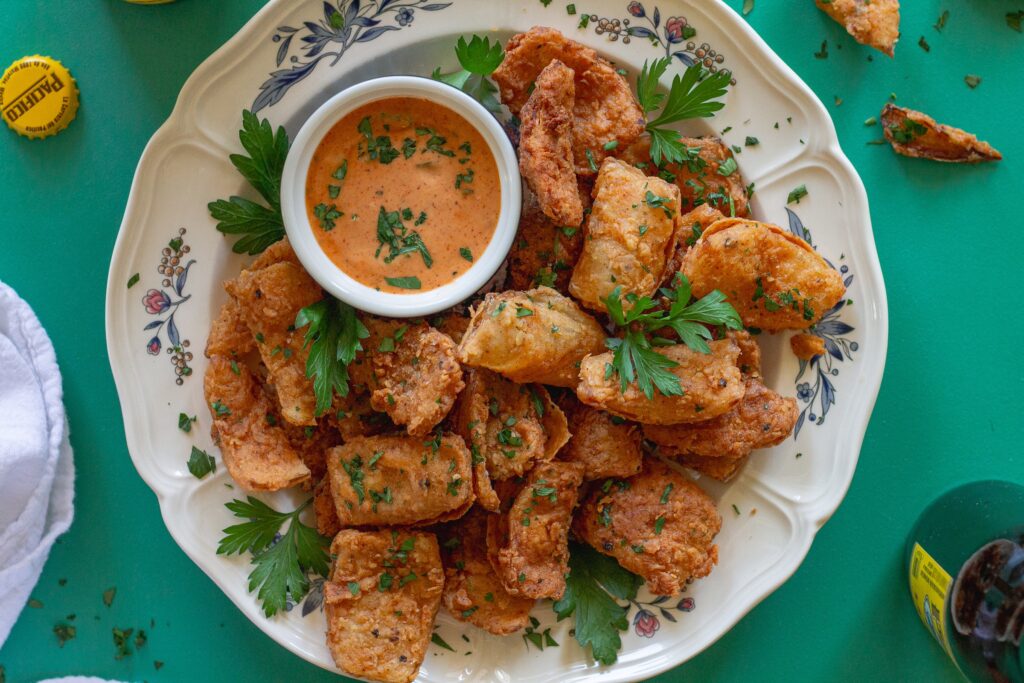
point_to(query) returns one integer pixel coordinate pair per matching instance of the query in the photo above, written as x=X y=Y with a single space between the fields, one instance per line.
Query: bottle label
x=929 y=587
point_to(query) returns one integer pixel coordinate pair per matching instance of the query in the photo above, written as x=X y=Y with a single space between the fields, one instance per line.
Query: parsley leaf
x=478 y=59
x=692 y=95
x=634 y=358
x=333 y=337
x=201 y=463
x=260 y=226
x=282 y=567
x=591 y=589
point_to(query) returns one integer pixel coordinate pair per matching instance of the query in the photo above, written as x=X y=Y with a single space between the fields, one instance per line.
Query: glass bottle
x=965 y=563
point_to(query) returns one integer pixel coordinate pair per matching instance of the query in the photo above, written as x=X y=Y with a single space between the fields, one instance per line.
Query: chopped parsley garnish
x=394 y=234
x=727 y=167
x=465 y=253
x=666 y=493
x=523 y=311
x=185 y=422
x=326 y=215
x=409 y=282
x=201 y=463
x=219 y=409
x=797 y=194
x=133 y=280
x=464 y=179
x=478 y=59
x=635 y=360
x=333 y=339
x=594 y=585
x=439 y=641
x=378 y=148
x=259 y=225
x=692 y=95
x=282 y=566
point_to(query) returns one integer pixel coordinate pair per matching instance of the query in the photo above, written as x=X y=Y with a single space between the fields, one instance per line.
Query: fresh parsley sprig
x=333 y=338
x=634 y=358
x=594 y=583
x=478 y=59
x=259 y=225
x=282 y=567
x=692 y=95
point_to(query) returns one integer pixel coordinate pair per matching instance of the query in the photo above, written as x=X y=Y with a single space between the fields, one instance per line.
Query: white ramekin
x=300 y=231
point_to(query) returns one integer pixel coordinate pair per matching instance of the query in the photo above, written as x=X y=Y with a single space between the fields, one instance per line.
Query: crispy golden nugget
x=691 y=226
x=507 y=426
x=327 y=523
x=256 y=452
x=400 y=480
x=278 y=252
x=629 y=236
x=543 y=253
x=750 y=353
x=269 y=300
x=722 y=469
x=807 y=346
x=914 y=134
x=229 y=335
x=418 y=378
x=701 y=179
x=774 y=279
x=606 y=445
x=605 y=111
x=312 y=443
x=529 y=545
x=871 y=22
x=711 y=384
x=761 y=419
x=545 y=145
x=472 y=591
x=380 y=602
x=658 y=524
x=534 y=336
x=526 y=55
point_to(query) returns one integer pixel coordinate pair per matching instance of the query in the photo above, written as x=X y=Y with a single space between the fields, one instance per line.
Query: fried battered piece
x=269 y=300
x=418 y=379
x=327 y=523
x=606 y=445
x=229 y=335
x=914 y=134
x=606 y=110
x=526 y=55
x=278 y=252
x=312 y=443
x=256 y=453
x=380 y=602
x=529 y=545
x=472 y=591
x=807 y=346
x=629 y=236
x=701 y=181
x=691 y=226
x=773 y=279
x=722 y=469
x=871 y=22
x=750 y=353
x=543 y=253
x=545 y=145
x=711 y=385
x=761 y=419
x=534 y=336
x=508 y=426
x=400 y=480
x=658 y=524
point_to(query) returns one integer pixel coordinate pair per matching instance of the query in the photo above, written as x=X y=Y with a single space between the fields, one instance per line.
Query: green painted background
x=950 y=240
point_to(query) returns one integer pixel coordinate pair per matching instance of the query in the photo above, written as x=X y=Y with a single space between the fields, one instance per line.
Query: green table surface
x=949 y=239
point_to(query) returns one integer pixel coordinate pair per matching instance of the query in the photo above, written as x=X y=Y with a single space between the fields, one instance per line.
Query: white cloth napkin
x=36 y=468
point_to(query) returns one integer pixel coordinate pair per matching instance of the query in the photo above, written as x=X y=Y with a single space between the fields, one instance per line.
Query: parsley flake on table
x=634 y=358
x=259 y=225
x=201 y=463
x=282 y=566
x=692 y=95
x=478 y=59
x=594 y=584
x=333 y=338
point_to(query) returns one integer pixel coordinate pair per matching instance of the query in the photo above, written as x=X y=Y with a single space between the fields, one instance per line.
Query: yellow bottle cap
x=38 y=97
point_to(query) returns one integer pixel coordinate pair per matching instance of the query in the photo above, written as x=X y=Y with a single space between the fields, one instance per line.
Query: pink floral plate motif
x=163 y=304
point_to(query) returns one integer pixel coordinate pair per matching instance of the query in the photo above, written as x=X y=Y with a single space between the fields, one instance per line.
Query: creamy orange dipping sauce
x=403 y=195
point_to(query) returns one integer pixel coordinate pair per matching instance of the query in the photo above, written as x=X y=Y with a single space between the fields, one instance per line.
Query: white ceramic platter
x=287 y=61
